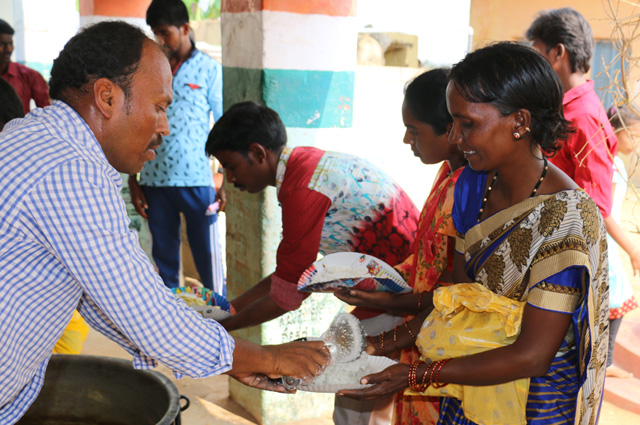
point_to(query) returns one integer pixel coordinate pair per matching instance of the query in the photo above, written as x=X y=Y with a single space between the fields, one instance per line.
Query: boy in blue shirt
x=179 y=179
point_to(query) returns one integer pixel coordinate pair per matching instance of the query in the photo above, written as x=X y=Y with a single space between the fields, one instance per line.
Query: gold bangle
x=395 y=338
x=409 y=330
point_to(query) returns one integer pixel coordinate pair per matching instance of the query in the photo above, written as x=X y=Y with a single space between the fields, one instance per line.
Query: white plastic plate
x=351 y=270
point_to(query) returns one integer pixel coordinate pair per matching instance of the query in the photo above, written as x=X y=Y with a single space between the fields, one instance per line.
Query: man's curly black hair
x=110 y=49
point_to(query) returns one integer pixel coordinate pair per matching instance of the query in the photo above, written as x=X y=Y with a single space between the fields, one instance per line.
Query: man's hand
x=137 y=197
x=262 y=382
x=300 y=359
x=390 y=381
x=221 y=197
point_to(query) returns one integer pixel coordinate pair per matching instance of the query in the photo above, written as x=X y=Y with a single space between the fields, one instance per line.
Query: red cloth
x=303 y=212
x=618 y=313
x=587 y=155
x=29 y=84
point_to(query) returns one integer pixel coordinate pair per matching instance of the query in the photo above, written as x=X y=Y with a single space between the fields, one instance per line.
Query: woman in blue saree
x=525 y=232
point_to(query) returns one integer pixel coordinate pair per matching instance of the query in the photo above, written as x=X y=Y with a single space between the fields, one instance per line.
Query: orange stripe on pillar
x=115 y=8
x=304 y=7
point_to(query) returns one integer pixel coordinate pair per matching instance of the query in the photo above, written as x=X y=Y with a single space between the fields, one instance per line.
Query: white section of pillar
x=289 y=41
x=242 y=40
x=42 y=28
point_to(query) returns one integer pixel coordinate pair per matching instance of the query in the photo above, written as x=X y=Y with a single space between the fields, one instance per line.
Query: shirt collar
x=12 y=69
x=282 y=166
x=577 y=92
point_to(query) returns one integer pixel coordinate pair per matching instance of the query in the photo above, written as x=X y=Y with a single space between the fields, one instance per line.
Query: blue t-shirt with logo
x=181 y=160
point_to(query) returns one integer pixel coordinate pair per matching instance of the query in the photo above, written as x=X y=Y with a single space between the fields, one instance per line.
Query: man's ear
x=258 y=152
x=105 y=95
x=561 y=51
x=185 y=29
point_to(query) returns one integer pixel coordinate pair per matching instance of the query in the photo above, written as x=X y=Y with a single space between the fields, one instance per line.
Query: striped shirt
x=65 y=244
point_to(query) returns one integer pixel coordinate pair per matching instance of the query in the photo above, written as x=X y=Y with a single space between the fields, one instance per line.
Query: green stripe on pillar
x=241 y=84
x=310 y=99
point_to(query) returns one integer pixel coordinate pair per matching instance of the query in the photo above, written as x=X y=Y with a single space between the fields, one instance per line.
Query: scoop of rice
x=348 y=373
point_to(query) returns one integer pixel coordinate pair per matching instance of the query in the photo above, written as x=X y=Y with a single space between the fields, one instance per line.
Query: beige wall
x=494 y=20
x=508 y=20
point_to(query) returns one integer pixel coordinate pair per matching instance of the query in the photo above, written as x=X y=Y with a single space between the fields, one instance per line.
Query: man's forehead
x=154 y=70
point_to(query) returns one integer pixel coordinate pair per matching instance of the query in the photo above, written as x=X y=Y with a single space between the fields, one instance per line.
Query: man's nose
x=163 y=126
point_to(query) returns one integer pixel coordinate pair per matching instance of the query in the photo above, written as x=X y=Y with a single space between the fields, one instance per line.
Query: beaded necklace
x=495 y=177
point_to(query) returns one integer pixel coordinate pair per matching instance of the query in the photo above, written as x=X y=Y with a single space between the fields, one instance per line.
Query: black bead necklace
x=495 y=177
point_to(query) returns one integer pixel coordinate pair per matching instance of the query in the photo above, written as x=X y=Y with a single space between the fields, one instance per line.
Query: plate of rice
x=346 y=376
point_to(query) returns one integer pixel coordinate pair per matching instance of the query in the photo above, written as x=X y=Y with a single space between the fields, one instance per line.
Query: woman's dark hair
x=110 y=49
x=426 y=98
x=167 y=12
x=568 y=27
x=245 y=123
x=510 y=77
x=11 y=105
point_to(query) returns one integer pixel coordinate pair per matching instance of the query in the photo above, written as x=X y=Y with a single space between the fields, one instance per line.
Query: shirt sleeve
x=39 y=89
x=303 y=214
x=215 y=90
x=560 y=292
x=81 y=216
x=593 y=163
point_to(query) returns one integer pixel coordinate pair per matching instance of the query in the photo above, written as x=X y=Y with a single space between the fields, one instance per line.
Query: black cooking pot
x=94 y=390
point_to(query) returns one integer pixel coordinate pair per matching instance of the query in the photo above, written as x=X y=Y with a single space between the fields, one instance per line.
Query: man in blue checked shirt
x=179 y=179
x=65 y=242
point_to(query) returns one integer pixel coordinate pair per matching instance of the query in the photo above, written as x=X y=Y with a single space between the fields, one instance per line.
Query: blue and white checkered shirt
x=65 y=243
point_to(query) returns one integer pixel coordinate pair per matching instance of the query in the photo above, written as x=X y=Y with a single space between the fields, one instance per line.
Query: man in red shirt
x=564 y=37
x=27 y=82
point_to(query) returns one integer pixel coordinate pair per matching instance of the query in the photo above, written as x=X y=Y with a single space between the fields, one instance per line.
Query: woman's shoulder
x=558 y=181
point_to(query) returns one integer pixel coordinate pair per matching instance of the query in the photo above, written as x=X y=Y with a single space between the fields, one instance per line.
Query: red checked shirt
x=29 y=84
x=587 y=155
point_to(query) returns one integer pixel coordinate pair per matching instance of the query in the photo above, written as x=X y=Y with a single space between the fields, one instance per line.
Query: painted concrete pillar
x=298 y=58
x=131 y=11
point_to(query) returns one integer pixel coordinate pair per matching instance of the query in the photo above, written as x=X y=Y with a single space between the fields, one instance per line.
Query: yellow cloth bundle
x=73 y=337
x=468 y=318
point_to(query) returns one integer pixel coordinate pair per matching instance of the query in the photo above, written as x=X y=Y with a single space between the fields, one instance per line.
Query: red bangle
x=424 y=384
x=412 y=379
x=373 y=344
x=437 y=383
